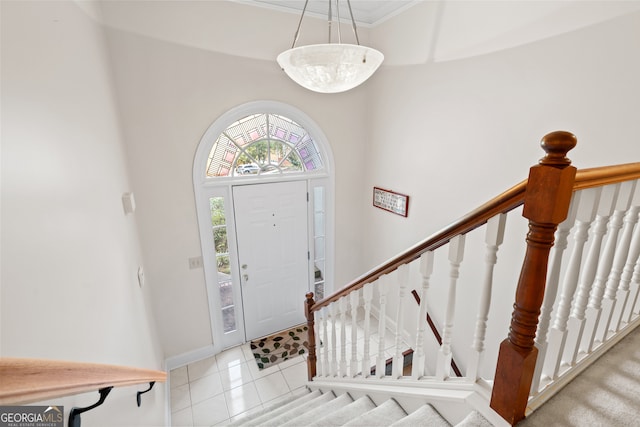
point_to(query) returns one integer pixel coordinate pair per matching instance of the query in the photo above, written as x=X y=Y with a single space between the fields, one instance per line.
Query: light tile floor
x=218 y=390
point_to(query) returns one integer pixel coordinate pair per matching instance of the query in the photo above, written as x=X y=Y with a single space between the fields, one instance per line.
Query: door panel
x=272 y=238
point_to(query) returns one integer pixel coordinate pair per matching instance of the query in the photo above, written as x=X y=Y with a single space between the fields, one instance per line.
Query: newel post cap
x=309 y=302
x=557 y=144
x=551 y=181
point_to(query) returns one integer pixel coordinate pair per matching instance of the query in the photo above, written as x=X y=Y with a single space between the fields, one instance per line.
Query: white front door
x=272 y=238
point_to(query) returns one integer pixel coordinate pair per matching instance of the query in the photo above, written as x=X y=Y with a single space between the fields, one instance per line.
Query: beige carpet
x=606 y=394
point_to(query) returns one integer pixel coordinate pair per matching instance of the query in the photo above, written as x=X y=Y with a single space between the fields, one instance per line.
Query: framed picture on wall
x=391 y=201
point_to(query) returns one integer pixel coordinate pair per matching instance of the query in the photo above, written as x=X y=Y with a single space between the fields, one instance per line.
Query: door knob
x=245 y=277
x=244 y=266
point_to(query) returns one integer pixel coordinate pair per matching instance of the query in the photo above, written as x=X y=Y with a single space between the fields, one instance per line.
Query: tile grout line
x=242 y=358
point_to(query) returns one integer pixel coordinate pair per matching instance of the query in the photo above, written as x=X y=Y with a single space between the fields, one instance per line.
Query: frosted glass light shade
x=330 y=68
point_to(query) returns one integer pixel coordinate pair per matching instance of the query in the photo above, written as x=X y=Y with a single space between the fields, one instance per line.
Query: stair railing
x=372 y=312
x=546 y=205
x=383 y=334
x=592 y=293
x=33 y=380
x=325 y=317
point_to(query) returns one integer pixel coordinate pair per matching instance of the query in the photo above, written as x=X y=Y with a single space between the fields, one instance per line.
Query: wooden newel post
x=546 y=205
x=311 y=360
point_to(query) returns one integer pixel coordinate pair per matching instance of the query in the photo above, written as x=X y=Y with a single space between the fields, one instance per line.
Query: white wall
x=444 y=122
x=454 y=134
x=431 y=130
x=472 y=126
x=69 y=253
x=169 y=94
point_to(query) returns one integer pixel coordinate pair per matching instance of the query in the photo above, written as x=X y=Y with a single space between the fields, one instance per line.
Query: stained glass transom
x=263 y=144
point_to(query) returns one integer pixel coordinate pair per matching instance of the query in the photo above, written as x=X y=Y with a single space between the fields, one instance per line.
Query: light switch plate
x=128 y=203
x=195 y=262
x=140 y=276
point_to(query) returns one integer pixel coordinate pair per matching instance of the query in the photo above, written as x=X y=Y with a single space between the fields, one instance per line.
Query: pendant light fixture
x=330 y=67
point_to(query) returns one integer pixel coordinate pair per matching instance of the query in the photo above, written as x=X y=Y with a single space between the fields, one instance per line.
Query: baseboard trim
x=184 y=359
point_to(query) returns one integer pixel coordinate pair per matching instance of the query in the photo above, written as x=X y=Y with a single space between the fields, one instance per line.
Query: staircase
x=571 y=257
x=315 y=408
x=602 y=395
x=576 y=296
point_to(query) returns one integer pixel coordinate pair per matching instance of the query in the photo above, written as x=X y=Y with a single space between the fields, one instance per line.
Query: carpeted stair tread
x=245 y=419
x=474 y=419
x=382 y=416
x=276 y=409
x=424 y=416
x=346 y=414
x=293 y=413
x=311 y=415
x=605 y=394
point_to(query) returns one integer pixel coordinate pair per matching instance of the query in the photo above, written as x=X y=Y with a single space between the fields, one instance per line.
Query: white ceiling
x=419 y=32
x=367 y=13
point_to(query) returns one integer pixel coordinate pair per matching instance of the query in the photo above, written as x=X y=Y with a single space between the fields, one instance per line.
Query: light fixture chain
x=295 y=37
x=330 y=20
x=353 y=23
x=338 y=19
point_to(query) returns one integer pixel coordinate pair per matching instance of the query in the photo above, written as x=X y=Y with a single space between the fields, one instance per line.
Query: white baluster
x=635 y=290
x=325 y=344
x=317 y=327
x=493 y=239
x=627 y=273
x=318 y=321
x=633 y=254
x=619 y=258
x=367 y=296
x=355 y=302
x=334 y=359
x=456 y=254
x=419 y=358
x=558 y=333
x=403 y=282
x=344 y=306
x=595 y=205
x=551 y=289
x=602 y=272
x=383 y=288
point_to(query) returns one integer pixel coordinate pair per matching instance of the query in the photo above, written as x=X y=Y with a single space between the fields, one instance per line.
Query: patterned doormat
x=279 y=347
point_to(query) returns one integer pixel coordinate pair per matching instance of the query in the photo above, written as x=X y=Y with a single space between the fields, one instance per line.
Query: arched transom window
x=271 y=149
x=263 y=144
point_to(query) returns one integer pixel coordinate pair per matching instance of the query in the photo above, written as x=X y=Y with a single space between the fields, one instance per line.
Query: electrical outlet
x=195 y=262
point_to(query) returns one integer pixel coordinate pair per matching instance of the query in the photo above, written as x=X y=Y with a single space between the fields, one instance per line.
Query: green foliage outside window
x=270 y=152
x=219 y=225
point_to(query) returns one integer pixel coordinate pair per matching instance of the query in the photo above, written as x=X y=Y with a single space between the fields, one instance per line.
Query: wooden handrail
x=34 y=380
x=596 y=177
x=504 y=202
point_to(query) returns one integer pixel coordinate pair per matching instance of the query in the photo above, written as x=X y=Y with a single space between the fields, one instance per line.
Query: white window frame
x=207 y=187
